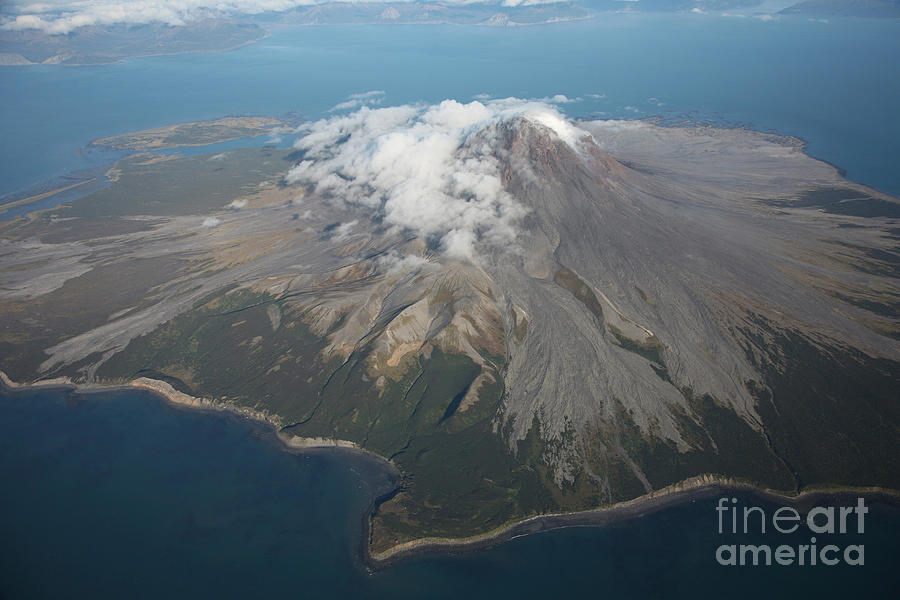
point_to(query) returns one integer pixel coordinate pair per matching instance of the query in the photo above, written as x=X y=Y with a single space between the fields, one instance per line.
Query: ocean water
x=120 y=495
x=833 y=84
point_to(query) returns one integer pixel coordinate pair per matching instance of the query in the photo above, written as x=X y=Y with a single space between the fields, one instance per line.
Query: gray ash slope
x=659 y=292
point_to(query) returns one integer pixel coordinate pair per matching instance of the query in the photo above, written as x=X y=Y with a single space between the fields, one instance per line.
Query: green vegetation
x=568 y=280
x=885 y=304
x=520 y=328
x=722 y=443
x=833 y=413
x=869 y=260
x=842 y=201
x=459 y=476
x=650 y=348
x=226 y=348
x=27 y=326
x=187 y=186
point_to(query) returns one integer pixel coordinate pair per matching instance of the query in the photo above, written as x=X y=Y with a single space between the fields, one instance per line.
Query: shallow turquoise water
x=120 y=495
x=833 y=84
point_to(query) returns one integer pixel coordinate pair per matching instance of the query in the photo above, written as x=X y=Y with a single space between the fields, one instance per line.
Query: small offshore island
x=537 y=322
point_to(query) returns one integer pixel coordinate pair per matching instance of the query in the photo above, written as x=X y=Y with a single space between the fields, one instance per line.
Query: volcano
x=523 y=313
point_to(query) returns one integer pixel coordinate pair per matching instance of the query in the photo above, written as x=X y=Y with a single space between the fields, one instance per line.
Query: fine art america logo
x=735 y=520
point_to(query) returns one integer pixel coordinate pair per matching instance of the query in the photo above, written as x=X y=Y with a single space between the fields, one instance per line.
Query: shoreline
x=110 y=142
x=99 y=175
x=690 y=489
x=180 y=400
x=49 y=187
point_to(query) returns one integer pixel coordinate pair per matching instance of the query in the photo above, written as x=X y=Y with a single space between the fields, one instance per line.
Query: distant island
x=101 y=44
x=97 y=44
x=846 y=8
x=494 y=14
x=31 y=39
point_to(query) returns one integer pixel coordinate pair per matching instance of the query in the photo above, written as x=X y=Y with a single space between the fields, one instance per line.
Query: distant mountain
x=428 y=13
x=100 y=44
x=671 y=5
x=846 y=8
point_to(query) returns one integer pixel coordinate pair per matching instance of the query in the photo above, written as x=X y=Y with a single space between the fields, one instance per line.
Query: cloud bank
x=63 y=16
x=431 y=170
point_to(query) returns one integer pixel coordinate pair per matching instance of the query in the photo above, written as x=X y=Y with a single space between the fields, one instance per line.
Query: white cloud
x=615 y=125
x=513 y=3
x=432 y=170
x=275 y=135
x=557 y=99
x=63 y=16
x=365 y=95
x=765 y=18
x=210 y=222
x=235 y=205
x=344 y=230
x=698 y=11
x=357 y=100
x=395 y=262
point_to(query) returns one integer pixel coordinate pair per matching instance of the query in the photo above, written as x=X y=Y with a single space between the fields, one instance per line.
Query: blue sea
x=833 y=84
x=120 y=495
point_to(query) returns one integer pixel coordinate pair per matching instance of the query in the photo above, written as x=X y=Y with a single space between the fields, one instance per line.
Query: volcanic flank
x=523 y=313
